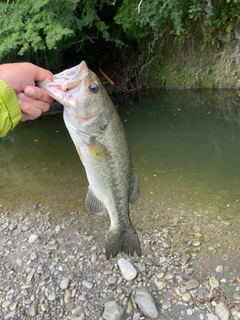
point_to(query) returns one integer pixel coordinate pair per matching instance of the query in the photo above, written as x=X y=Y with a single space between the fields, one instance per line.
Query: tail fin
x=122 y=240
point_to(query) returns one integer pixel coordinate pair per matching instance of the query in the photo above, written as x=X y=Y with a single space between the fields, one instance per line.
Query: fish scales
x=98 y=134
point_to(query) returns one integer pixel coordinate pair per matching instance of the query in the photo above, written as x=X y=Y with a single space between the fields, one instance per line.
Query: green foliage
x=48 y=30
x=42 y=25
x=173 y=17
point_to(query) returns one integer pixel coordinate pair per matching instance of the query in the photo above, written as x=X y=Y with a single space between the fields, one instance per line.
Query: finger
x=37 y=93
x=42 y=74
x=29 y=112
x=31 y=107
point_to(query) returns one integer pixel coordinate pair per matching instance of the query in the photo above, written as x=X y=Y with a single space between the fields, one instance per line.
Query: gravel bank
x=53 y=269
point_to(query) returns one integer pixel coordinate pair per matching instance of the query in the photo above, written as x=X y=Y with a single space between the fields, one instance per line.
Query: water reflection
x=185 y=145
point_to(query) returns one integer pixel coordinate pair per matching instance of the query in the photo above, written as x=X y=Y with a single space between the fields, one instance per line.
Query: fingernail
x=29 y=90
x=19 y=102
x=21 y=95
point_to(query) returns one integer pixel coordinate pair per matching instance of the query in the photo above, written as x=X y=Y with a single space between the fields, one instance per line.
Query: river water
x=185 y=148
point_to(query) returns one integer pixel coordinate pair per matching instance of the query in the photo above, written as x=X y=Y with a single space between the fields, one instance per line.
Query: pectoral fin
x=135 y=190
x=93 y=204
x=98 y=151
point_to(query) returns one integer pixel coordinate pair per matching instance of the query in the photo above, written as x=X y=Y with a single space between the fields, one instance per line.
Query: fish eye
x=94 y=88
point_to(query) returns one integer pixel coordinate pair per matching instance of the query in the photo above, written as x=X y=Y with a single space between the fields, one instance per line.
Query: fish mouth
x=65 y=87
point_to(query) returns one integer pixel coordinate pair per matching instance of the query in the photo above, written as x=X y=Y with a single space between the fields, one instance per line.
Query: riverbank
x=54 y=267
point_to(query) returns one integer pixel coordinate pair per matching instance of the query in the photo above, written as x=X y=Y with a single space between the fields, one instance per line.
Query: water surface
x=184 y=144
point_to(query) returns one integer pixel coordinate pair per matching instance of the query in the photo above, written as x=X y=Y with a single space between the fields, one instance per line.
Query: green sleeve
x=10 y=112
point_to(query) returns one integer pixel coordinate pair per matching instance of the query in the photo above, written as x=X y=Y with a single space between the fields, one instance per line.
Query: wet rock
x=146 y=303
x=127 y=269
x=112 y=311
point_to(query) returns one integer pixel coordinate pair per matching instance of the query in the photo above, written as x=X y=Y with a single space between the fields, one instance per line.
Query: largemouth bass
x=100 y=140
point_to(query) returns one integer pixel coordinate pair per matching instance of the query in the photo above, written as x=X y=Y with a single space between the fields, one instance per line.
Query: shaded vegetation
x=57 y=34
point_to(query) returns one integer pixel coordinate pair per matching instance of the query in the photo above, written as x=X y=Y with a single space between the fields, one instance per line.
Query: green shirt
x=10 y=112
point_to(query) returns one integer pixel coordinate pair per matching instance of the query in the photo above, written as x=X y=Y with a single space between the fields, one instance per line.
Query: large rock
x=112 y=311
x=146 y=303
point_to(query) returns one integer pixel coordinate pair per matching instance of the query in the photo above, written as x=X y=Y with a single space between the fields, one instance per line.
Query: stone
x=219 y=268
x=64 y=283
x=214 y=283
x=87 y=284
x=222 y=311
x=191 y=284
x=33 y=309
x=112 y=311
x=146 y=303
x=112 y=280
x=67 y=296
x=128 y=271
x=52 y=296
x=186 y=297
x=33 y=238
x=166 y=304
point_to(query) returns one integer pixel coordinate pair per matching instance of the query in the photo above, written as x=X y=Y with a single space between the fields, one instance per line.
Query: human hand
x=22 y=77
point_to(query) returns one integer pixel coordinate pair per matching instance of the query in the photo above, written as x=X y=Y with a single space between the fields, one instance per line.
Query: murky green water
x=185 y=147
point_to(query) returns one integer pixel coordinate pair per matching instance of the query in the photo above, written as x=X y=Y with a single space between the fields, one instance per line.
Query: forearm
x=10 y=112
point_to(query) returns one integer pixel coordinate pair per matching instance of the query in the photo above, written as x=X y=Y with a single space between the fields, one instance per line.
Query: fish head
x=83 y=96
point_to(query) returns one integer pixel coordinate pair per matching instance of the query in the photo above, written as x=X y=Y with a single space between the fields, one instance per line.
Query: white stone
x=128 y=271
x=33 y=238
x=222 y=311
x=64 y=283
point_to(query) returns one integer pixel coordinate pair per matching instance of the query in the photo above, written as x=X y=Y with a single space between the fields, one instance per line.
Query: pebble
x=33 y=238
x=196 y=243
x=219 y=268
x=186 y=297
x=128 y=271
x=10 y=315
x=33 y=256
x=166 y=304
x=214 y=283
x=52 y=296
x=222 y=311
x=58 y=228
x=94 y=257
x=67 y=296
x=112 y=311
x=191 y=284
x=112 y=280
x=146 y=303
x=236 y=296
x=32 y=311
x=185 y=258
x=64 y=283
x=87 y=284
x=6 y=303
x=168 y=276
